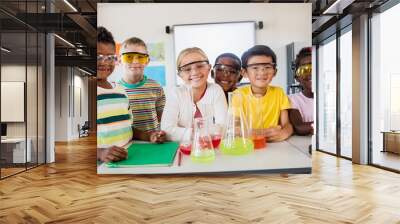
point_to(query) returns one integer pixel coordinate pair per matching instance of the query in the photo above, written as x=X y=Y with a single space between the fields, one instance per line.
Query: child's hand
x=157 y=136
x=112 y=154
x=272 y=133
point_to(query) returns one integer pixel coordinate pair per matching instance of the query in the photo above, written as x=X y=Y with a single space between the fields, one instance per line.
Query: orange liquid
x=259 y=142
x=205 y=143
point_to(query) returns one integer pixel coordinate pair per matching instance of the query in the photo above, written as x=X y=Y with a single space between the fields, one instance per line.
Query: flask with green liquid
x=237 y=139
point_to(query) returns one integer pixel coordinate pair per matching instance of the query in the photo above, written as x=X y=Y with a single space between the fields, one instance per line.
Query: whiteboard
x=215 y=38
x=12 y=101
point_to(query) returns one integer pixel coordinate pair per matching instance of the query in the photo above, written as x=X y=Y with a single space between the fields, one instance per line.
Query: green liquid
x=236 y=146
x=205 y=156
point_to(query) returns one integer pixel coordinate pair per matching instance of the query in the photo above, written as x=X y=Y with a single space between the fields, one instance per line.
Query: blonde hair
x=133 y=41
x=187 y=51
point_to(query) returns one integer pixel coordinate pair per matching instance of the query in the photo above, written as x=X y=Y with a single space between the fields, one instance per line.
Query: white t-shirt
x=179 y=110
x=304 y=104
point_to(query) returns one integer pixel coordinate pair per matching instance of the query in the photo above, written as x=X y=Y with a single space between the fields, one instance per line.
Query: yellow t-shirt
x=262 y=112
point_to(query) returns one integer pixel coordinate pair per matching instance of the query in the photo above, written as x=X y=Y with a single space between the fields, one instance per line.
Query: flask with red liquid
x=216 y=135
x=202 y=148
x=185 y=147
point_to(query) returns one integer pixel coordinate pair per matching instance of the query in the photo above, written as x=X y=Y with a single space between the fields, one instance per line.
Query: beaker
x=236 y=140
x=216 y=135
x=255 y=117
x=185 y=145
x=202 y=149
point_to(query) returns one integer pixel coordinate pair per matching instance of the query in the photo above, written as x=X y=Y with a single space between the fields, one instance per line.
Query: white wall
x=61 y=103
x=68 y=82
x=13 y=73
x=16 y=73
x=283 y=24
x=79 y=117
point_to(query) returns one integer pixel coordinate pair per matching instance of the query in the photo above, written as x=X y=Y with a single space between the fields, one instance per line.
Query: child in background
x=226 y=72
x=114 y=130
x=146 y=96
x=302 y=113
x=259 y=66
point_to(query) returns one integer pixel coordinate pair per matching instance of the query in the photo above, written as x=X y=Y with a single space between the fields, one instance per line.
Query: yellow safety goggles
x=303 y=70
x=130 y=57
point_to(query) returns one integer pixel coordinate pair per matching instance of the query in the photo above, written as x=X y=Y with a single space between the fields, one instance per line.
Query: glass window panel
x=346 y=94
x=13 y=77
x=22 y=62
x=41 y=98
x=327 y=97
x=385 y=88
x=32 y=98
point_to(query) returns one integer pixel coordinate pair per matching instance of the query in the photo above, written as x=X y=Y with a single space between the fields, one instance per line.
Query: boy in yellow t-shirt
x=267 y=105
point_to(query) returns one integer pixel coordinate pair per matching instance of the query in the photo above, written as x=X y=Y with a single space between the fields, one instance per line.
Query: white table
x=282 y=157
x=301 y=142
x=18 y=149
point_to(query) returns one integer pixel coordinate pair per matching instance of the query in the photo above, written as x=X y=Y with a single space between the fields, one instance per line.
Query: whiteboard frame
x=215 y=23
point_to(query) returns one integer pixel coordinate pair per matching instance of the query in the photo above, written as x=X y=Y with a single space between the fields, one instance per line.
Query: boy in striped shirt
x=146 y=96
x=114 y=119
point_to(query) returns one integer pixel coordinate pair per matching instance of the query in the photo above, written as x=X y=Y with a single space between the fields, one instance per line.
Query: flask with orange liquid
x=256 y=121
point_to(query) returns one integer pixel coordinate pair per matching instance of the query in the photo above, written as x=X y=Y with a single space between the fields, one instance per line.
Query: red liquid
x=185 y=148
x=259 y=142
x=215 y=139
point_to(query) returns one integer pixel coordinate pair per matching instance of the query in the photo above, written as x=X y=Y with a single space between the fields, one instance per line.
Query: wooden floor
x=70 y=191
x=387 y=159
x=10 y=171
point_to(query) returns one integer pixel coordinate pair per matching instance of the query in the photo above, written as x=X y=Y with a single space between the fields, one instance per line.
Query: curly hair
x=303 y=53
x=105 y=36
x=232 y=56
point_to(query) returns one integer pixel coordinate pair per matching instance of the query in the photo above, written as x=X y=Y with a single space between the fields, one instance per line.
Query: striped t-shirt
x=146 y=99
x=114 y=120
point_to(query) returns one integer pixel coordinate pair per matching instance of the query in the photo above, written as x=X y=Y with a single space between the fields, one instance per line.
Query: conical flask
x=237 y=139
x=185 y=143
x=202 y=148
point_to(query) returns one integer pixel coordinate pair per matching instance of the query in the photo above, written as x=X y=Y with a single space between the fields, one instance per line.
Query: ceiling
x=76 y=23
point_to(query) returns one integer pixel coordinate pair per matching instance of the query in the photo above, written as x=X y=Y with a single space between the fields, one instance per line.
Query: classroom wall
x=71 y=102
x=61 y=103
x=283 y=24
